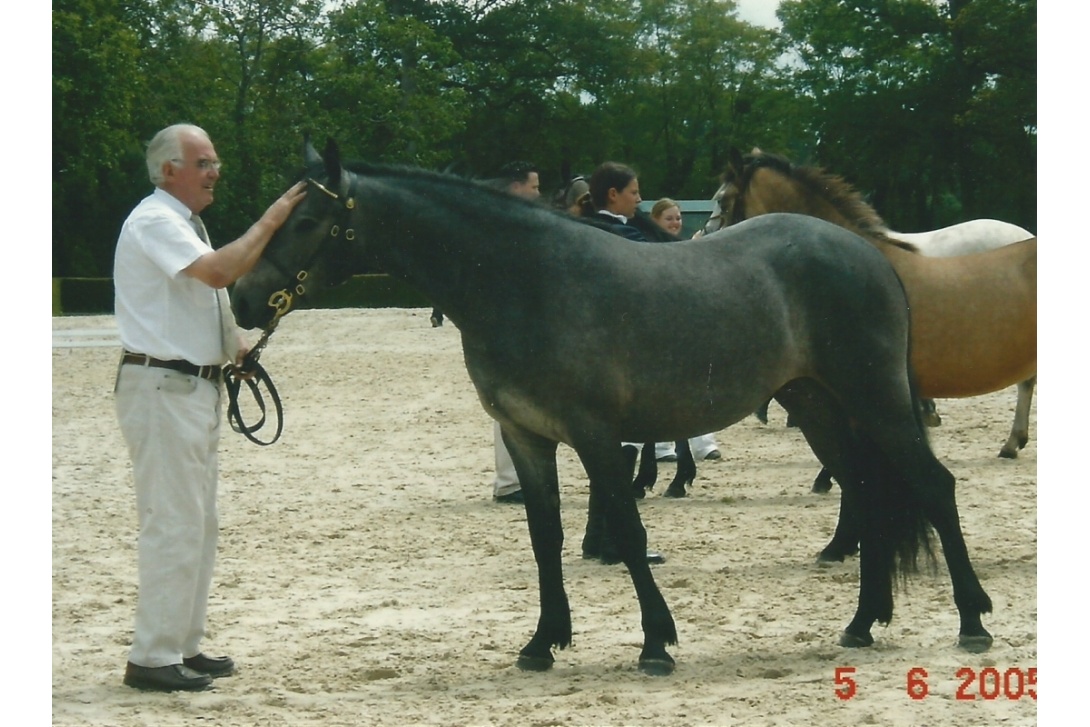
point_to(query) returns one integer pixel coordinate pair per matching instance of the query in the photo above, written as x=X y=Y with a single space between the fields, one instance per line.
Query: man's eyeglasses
x=204 y=165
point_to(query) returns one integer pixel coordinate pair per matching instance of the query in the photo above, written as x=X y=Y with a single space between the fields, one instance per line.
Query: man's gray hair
x=166 y=146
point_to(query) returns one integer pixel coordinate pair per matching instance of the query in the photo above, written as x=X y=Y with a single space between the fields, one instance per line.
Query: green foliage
x=928 y=106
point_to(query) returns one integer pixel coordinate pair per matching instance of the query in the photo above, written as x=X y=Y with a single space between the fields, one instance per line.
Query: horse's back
x=965 y=238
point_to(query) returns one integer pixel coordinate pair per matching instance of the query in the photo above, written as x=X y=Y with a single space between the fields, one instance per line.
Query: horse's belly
x=956 y=377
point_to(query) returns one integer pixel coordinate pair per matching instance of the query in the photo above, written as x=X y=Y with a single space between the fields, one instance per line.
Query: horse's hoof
x=534 y=663
x=657 y=667
x=975 y=644
x=1008 y=453
x=828 y=556
x=851 y=641
x=672 y=492
x=639 y=493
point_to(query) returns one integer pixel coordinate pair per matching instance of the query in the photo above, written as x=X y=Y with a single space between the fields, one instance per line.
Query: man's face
x=625 y=201
x=530 y=189
x=194 y=179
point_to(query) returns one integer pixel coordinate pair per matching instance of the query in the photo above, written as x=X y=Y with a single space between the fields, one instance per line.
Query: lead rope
x=254 y=375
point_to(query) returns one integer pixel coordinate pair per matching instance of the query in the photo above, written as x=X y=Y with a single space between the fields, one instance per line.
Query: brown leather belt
x=211 y=373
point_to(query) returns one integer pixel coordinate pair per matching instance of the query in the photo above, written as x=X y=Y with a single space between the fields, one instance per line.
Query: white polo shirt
x=161 y=311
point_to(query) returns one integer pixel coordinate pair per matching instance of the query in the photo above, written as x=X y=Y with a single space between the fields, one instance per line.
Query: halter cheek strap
x=282 y=301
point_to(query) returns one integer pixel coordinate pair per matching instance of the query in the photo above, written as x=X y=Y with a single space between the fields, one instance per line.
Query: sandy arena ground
x=365 y=577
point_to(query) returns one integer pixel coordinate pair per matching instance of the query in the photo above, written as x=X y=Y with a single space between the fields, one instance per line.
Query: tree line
x=926 y=106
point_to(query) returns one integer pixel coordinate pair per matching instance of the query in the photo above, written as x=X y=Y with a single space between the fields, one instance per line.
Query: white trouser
x=171 y=423
x=507 y=480
x=699 y=446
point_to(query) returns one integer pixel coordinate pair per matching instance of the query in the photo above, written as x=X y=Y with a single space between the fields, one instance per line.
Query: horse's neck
x=442 y=246
x=780 y=194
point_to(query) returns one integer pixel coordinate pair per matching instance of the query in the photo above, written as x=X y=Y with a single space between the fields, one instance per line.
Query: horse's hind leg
x=535 y=463
x=1020 y=429
x=648 y=472
x=823 y=482
x=686 y=470
x=932 y=490
x=913 y=483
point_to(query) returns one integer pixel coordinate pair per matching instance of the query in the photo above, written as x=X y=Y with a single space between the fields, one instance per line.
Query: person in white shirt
x=176 y=328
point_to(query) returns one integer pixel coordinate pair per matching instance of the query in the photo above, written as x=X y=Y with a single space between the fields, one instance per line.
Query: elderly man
x=174 y=319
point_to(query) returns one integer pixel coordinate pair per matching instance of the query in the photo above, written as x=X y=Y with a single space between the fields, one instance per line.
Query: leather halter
x=281 y=302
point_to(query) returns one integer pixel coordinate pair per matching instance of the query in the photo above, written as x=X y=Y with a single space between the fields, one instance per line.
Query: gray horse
x=562 y=328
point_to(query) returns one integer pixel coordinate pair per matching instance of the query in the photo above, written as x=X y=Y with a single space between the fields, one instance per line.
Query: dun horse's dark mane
x=833 y=188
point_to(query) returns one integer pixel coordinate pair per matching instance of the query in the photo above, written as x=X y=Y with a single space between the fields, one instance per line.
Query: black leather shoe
x=213 y=666
x=173 y=678
x=511 y=498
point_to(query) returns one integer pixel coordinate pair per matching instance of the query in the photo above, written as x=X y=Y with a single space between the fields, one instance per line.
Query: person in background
x=667 y=214
x=574 y=197
x=615 y=196
x=177 y=330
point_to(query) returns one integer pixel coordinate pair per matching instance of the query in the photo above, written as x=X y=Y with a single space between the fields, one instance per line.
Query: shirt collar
x=173 y=202
x=622 y=218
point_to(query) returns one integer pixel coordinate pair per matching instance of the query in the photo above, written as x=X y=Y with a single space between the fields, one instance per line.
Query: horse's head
x=314 y=247
x=728 y=203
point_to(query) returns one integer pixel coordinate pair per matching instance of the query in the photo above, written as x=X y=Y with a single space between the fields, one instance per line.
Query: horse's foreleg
x=845 y=540
x=1020 y=429
x=599 y=542
x=828 y=432
x=535 y=463
x=686 y=470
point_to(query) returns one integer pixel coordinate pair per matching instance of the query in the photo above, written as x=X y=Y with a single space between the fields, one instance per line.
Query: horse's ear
x=310 y=154
x=756 y=151
x=332 y=159
x=736 y=162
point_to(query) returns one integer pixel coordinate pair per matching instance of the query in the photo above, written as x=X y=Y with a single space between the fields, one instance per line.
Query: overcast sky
x=759 y=12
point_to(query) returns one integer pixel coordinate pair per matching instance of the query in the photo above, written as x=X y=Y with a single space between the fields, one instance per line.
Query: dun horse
x=561 y=326
x=974 y=316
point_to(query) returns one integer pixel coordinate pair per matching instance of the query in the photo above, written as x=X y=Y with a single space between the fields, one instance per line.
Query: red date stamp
x=987 y=684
